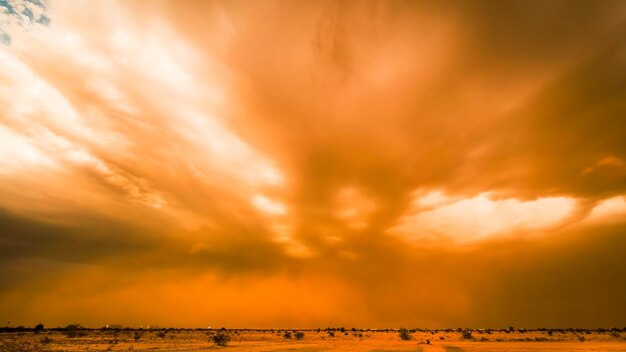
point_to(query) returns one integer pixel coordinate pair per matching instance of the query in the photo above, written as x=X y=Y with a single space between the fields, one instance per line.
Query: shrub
x=45 y=340
x=138 y=335
x=74 y=330
x=299 y=335
x=287 y=334
x=331 y=333
x=404 y=334
x=466 y=335
x=221 y=339
x=38 y=328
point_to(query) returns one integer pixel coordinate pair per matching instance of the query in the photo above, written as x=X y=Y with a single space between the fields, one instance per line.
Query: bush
x=287 y=334
x=38 y=328
x=45 y=340
x=221 y=339
x=74 y=330
x=138 y=335
x=404 y=334
x=331 y=333
x=466 y=335
x=299 y=335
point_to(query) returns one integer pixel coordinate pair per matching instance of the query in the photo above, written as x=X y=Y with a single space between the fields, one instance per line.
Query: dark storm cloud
x=23 y=237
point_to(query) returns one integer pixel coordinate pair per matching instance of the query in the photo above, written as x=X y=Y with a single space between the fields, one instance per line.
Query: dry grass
x=313 y=340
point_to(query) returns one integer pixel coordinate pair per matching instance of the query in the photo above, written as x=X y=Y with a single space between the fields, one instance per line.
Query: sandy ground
x=267 y=341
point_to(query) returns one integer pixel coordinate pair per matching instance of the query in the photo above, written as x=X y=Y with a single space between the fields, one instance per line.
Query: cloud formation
x=423 y=162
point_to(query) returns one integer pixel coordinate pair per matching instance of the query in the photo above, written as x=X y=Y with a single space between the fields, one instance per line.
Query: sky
x=303 y=164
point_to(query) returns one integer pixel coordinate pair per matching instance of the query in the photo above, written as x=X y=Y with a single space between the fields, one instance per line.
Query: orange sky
x=313 y=163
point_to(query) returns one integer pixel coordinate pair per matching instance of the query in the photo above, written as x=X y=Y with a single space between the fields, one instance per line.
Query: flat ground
x=274 y=341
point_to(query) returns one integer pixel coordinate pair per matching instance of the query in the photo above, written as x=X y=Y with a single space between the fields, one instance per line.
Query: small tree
x=404 y=334
x=221 y=339
x=38 y=328
x=299 y=335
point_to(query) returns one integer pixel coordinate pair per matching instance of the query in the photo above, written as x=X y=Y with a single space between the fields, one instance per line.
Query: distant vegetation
x=404 y=334
x=466 y=334
x=74 y=330
x=221 y=339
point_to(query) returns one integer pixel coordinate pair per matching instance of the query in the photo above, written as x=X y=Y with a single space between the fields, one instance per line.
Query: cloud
x=407 y=155
x=608 y=209
x=480 y=217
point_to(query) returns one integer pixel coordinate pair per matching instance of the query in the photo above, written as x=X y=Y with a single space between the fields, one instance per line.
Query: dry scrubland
x=78 y=339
